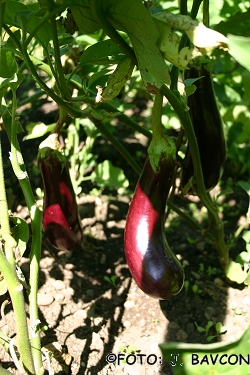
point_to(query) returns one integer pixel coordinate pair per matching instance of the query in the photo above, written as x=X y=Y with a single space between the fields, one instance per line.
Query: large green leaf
x=209 y=359
x=132 y=17
x=239 y=49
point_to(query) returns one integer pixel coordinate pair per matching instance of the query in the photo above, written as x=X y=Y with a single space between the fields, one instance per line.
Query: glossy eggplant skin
x=61 y=223
x=208 y=128
x=152 y=264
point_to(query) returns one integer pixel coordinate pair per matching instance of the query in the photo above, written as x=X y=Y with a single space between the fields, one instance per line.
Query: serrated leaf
x=98 y=51
x=239 y=49
x=190 y=357
x=235 y=273
x=132 y=17
x=105 y=174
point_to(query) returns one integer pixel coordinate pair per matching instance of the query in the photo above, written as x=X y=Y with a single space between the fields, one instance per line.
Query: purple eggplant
x=208 y=128
x=153 y=266
x=61 y=223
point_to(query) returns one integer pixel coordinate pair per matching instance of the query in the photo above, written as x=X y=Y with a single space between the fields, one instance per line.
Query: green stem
x=206 y=12
x=57 y=10
x=118 y=114
x=28 y=60
x=15 y=289
x=188 y=219
x=10 y=243
x=58 y=64
x=86 y=99
x=183 y=6
x=156 y=117
x=101 y=127
x=96 y=7
x=194 y=11
x=61 y=121
x=36 y=218
x=31 y=99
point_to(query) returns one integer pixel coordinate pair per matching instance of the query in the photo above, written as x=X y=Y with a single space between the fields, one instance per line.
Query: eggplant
x=154 y=267
x=61 y=223
x=208 y=128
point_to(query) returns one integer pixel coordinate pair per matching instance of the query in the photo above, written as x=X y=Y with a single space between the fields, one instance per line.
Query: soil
x=91 y=306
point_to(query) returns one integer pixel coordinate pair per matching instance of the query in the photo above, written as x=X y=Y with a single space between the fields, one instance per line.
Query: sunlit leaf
x=239 y=49
x=106 y=174
x=132 y=17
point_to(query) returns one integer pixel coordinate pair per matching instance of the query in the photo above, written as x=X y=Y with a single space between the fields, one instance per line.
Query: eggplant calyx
x=160 y=149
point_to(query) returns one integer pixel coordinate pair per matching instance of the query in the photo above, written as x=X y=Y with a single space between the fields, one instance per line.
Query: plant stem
x=156 y=117
x=15 y=289
x=101 y=127
x=10 y=243
x=58 y=64
x=61 y=121
x=206 y=12
x=96 y=7
x=36 y=218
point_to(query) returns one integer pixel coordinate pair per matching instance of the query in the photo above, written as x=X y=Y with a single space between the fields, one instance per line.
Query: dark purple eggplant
x=152 y=264
x=61 y=223
x=208 y=128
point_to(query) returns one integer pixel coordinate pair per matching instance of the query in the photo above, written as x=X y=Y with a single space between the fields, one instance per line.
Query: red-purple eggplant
x=208 y=128
x=153 y=266
x=61 y=223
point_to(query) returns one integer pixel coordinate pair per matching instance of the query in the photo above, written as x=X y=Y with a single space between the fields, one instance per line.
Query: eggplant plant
x=110 y=57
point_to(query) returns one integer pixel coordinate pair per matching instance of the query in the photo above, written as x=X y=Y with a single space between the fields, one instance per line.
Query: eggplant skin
x=152 y=264
x=208 y=128
x=61 y=223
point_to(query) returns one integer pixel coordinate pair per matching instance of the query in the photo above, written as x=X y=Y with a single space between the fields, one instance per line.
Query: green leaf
x=20 y=233
x=105 y=174
x=132 y=17
x=14 y=9
x=239 y=49
x=220 y=328
x=117 y=80
x=247 y=281
x=83 y=18
x=196 y=359
x=246 y=236
x=242 y=258
x=97 y=75
x=246 y=186
x=37 y=130
x=98 y=51
x=8 y=65
x=235 y=273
